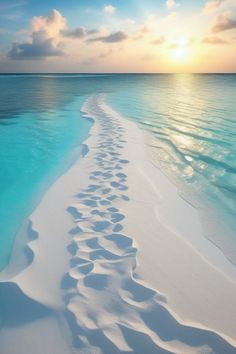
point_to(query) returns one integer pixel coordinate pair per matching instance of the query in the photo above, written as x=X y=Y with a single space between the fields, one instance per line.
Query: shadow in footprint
x=103 y=254
x=138 y=292
x=74 y=212
x=106 y=191
x=125 y=197
x=89 y=202
x=112 y=197
x=124 y=161
x=72 y=248
x=117 y=228
x=121 y=175
x=121 y=241
x=100 y=226
x=117 y=217
x=75 y=231
x=92 y=188
x=93 y=243
x=105 y=202
x=96 y=281
x=83 y=195
x=68 y=282
x=78 y=261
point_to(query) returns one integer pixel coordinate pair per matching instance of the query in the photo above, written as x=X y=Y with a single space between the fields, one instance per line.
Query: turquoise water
x=40 y=127
x=191 y=118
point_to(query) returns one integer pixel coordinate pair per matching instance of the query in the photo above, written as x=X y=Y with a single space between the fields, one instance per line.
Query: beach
x=113 y=260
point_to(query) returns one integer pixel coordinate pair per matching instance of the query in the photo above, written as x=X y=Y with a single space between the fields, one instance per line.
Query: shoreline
x=206 y=247
x=161 y=257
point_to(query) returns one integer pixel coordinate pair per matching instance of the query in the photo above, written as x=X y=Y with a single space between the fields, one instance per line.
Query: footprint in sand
x=96 y=281
x=92 y=188
x=100 y=226
x=121 y=241
x=72 y=248
x=106 y=191
x=89 y=202
x=68 y=282
x=117 y=228
x=78 y=261
x=74 y=212
x=117 y=217
x=104 y=202
x=80 y=271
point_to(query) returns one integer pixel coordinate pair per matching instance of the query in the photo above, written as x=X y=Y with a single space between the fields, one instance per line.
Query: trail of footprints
x=108 y=310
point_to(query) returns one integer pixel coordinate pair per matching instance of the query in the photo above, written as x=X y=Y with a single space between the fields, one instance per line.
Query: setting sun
x=180 y=50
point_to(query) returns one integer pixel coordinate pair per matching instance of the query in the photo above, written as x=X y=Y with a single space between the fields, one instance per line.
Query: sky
x=147 y=36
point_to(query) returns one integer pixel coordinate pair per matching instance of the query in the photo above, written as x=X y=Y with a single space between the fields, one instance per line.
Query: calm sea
x=191 y=118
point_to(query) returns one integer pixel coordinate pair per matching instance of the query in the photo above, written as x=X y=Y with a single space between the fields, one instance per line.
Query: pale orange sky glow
x=170 y=37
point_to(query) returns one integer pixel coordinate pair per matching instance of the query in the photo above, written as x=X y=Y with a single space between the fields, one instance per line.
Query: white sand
x=114 y=261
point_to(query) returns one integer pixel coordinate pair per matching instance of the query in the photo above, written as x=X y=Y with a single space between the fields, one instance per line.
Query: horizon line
x=118 y=73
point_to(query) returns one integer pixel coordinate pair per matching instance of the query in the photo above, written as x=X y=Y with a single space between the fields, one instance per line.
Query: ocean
x=191 y=121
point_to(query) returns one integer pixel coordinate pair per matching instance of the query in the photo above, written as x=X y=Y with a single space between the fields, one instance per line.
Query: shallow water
x=40 y=126
x=192 y=119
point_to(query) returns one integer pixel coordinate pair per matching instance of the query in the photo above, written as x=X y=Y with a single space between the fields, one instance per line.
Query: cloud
x=214 y=40
x=212 y=6
x=40 y=47
x=111 y=38
x=78 y=33
x=224 y=22
x=75 y=33
x=141 y=32
x=92 y=31
x=52 y=24
x=171 y=4
x=44 y=38
x=109 y=9
x=159 y=40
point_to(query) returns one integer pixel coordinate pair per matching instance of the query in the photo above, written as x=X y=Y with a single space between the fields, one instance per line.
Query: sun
x=180 y=50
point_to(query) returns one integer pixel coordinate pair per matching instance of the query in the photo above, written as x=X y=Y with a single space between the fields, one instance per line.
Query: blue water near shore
x=40 y=130
x=191 y=118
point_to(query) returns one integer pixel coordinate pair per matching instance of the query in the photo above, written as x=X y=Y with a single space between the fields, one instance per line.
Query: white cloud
x=109 y=9
x=224 y=22
x=214 y=40
x=76 y=33
x=51 y=25
x=44 y=38
x=212 y=5
x=111 y=38
x=171 y=4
